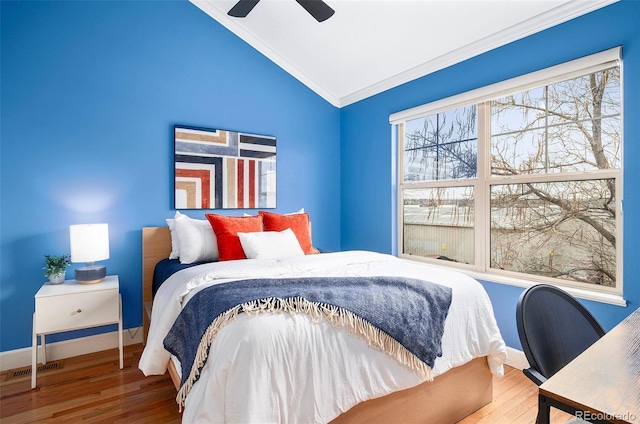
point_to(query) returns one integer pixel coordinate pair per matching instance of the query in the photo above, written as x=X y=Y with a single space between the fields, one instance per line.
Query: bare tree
x=576 y=129
x=447 y=149
x=565 y=228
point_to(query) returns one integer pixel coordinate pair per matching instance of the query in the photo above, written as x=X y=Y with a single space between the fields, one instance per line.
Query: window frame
x=481 y=269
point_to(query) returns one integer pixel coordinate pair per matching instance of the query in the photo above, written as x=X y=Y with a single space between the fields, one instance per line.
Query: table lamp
x=89 y=243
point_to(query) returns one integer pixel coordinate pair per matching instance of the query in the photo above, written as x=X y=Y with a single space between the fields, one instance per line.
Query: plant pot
x=57 y=278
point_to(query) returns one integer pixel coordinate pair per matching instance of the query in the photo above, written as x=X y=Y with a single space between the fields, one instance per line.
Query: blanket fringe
x=337 y=317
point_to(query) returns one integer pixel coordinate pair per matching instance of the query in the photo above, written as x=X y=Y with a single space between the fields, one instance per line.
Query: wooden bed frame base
x=447 y=399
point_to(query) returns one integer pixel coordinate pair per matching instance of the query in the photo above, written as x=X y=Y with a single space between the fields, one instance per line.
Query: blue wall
x=368 y=175
x=90 y=92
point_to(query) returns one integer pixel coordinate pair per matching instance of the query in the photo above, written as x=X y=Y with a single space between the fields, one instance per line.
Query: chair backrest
x=554 y=328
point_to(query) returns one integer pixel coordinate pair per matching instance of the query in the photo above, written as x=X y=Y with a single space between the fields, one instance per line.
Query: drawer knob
x=79 y=310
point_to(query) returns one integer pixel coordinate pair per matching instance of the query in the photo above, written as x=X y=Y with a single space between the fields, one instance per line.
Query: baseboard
x=22 y=357
x=66 y=349
x=516 y=359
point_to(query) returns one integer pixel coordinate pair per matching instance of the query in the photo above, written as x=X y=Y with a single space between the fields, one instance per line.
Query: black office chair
x=554 y=328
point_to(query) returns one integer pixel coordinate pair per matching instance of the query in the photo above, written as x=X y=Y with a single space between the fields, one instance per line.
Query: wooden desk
x=603 y=383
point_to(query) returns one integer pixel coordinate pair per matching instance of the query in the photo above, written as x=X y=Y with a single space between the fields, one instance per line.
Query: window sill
x=612 y=299
x=609 y=298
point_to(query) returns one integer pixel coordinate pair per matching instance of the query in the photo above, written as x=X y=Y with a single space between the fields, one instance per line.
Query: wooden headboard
x=156 y=245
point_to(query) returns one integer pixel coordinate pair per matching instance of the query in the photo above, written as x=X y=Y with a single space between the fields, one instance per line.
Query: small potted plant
x=56 y=267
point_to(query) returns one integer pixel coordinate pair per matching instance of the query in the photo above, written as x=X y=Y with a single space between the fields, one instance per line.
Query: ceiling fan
x=317 y=8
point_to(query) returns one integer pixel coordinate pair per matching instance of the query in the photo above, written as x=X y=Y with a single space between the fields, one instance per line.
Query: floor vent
x=26 y=371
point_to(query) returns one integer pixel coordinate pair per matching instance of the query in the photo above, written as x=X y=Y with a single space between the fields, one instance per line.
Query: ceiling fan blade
x=242 y=8
x=317 y=8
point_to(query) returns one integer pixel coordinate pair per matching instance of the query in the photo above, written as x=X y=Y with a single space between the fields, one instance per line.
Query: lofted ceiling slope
x=369 y=46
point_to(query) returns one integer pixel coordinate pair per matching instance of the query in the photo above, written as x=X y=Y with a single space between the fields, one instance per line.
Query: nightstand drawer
x=70 y=312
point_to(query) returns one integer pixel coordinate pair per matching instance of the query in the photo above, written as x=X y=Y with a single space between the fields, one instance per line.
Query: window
x=522 y=179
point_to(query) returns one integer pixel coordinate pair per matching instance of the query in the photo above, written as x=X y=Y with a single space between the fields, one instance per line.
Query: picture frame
x=223 y=169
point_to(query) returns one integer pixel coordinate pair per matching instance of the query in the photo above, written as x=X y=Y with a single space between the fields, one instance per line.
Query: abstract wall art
x=221 y=169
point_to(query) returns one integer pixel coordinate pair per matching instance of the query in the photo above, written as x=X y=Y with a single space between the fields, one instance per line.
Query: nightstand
x=72 y=306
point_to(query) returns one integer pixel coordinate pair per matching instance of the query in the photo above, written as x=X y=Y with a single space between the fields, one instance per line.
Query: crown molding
x=555 y=16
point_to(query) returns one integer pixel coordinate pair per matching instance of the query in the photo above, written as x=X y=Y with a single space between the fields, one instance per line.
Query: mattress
x=284 y=368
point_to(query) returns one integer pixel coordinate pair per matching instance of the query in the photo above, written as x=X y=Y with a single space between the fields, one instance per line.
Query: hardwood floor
x=92 y=389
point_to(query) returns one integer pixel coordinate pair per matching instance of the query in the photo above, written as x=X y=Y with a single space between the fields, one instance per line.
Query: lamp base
x=90 y=274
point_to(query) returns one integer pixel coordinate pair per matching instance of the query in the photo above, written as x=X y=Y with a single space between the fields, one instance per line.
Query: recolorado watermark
x=592 y=416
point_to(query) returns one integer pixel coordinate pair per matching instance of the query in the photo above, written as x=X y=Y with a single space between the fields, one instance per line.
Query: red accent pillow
x=299 y=224
x=226 y=229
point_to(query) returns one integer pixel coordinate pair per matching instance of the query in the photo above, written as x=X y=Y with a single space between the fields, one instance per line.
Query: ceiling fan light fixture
x=242 y=8
x=316 y=8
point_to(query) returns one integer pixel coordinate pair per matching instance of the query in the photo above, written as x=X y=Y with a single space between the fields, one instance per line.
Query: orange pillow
x=226 y=229
x=299 y=224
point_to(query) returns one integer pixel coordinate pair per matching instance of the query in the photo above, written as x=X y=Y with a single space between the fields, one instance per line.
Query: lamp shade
x=89 y=242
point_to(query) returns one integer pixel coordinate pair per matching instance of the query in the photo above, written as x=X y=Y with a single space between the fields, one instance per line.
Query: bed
x=460 y=385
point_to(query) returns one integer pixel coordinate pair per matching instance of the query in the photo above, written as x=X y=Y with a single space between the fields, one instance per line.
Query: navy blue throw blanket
x=410 y=311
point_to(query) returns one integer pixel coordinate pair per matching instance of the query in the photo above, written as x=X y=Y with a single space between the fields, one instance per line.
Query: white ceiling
x=369 y=46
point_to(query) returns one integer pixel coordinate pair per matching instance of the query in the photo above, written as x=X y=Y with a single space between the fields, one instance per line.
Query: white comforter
x=285 y=368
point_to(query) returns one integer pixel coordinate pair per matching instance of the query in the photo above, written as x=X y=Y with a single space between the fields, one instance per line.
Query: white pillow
x=175 y=239
x=270 y=244
x=197 y=240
